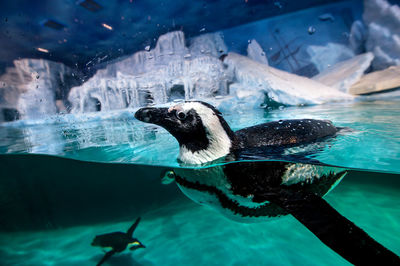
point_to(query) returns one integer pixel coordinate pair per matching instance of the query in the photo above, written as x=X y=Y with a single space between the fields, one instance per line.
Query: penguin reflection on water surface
x=117 y=241
x=254 y=190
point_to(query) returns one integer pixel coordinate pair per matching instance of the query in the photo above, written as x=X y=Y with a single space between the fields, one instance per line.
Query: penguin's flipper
x=106 y=257
x=133 y=227
x=338 y=233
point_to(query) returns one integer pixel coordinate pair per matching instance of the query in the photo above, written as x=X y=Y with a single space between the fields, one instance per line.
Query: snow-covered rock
x=172 y=71
x=384 y=44
x=32 y=86
x=254 y=80
x=378 y=81
x=167 y=72
x=211 y=44
x=383 y=13
x=255 y=52
x=383 y=39
x=328 y=55
x=343 y=75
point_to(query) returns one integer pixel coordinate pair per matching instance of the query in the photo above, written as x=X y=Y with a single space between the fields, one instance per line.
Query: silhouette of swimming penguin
x=117 y=241
x=257 y=190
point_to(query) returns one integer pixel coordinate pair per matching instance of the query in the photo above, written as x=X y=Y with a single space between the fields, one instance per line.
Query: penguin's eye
x=181 y=115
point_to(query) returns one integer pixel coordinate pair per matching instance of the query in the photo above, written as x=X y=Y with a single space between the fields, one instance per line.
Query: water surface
x=373 y=142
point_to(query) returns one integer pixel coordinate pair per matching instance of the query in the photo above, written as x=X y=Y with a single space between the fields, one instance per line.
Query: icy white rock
x=255 y=52
x=211 y=44
x=326 y=56
x=343 y=75
x=383 y=13
x=378 y=81
x=383 y=38
x=31 y=86
x=254 y=80
x=384 y=44
x=172 y=71
x=156 y=76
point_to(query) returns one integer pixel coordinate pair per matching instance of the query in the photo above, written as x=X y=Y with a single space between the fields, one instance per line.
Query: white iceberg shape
x=378 y=81
x=211 y=44
x=344 y=74
x=384 y=44
x=255 y=52
x=255 y=79
x=328 y=55
x=32 y=86
x=169 y=71
x=382 y=34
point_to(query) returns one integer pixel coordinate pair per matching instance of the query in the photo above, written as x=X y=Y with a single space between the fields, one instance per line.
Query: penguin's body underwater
x=117 y=241
x=255 y=190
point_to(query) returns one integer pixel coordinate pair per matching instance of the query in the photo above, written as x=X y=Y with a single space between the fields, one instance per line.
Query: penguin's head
x=200 y=129
x=135 y=244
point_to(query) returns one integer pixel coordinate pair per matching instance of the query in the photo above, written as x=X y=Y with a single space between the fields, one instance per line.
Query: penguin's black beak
x=152 y=115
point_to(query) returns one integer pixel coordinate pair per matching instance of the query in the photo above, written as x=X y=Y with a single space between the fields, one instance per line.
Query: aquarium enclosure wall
x=237 y=131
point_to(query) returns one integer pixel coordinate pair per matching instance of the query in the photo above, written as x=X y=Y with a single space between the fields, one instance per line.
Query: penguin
x=258 y=190
x=117 y=241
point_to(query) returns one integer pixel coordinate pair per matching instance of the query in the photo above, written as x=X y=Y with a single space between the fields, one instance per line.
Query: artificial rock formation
x=169 y=71
x=343 y=75
x=173 y=71
x=379 y=34
x=253 y=80
x=323 y=57
x=378 y=81
x=32 y=87
x=255 y=52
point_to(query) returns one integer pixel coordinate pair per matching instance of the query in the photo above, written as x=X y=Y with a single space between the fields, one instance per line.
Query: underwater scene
x=191 y=133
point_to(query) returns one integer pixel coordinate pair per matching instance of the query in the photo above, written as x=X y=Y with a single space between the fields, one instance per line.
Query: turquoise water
x=68 y=202
x=53 y=207
x=373 y=142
